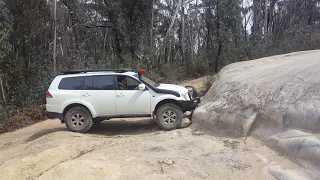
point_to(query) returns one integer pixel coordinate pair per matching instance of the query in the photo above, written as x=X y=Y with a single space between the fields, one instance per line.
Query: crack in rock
x=81 y=153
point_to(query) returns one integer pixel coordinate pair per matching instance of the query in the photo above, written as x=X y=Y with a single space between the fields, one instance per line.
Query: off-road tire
x=83 y=113
x=191 y=115
x=97 y=121
x=163 y=111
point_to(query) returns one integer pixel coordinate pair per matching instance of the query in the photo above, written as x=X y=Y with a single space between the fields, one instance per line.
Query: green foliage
x=121 y=34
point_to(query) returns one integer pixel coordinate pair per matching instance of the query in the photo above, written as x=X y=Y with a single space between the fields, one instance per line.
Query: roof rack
x=101 y=70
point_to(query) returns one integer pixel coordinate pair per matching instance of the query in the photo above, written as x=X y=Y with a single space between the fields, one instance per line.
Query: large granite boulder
x=268 y=98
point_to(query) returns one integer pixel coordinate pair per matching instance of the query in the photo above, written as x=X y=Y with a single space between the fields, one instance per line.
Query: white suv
x=83 y=97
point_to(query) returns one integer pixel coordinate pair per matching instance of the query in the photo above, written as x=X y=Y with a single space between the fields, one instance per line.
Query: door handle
x=120 y=95
x=86 y=95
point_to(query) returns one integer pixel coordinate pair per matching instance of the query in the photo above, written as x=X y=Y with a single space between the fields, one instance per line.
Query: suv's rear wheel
x=78 y=119
x=169 y=117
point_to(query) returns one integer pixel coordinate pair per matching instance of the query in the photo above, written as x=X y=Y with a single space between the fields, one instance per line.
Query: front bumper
x=189 y=105
x=193 y=102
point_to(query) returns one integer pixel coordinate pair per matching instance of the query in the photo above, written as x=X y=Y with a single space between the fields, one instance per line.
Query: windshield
x=148 y=81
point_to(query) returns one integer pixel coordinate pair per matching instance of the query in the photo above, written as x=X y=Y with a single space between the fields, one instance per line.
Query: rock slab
x=274 y=98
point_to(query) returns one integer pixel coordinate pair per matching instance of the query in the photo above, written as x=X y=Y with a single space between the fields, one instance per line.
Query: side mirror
x=142 y=87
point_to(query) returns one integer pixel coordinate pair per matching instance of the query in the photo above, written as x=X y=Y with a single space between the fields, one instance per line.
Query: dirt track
x=134 y=149
x=131 y=149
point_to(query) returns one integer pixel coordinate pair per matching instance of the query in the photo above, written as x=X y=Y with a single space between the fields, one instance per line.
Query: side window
x=71 y=83
x=99 y=83
x=88 y=83
x=127 y=83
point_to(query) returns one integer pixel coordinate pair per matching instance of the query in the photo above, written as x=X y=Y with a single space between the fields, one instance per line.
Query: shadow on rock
x=125 y=127
x=44 y=132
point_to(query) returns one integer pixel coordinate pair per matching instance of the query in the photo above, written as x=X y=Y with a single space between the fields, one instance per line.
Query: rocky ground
x=133 y=149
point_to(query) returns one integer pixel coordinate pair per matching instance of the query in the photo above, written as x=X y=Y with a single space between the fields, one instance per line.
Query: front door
x=99 y=93
x=129 y=99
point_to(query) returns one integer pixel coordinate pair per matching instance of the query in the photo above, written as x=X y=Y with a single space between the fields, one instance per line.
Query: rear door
x=99 y=94
x=133 y=101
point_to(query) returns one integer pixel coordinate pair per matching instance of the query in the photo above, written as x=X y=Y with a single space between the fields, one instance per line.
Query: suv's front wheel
x=169 y=117
x=78 y=119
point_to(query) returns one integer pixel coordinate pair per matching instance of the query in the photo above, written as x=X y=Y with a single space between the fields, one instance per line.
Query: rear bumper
x=189 y=105
x=54 y=115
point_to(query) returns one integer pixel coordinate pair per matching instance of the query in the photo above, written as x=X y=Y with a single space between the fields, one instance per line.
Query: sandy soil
x=132 y=149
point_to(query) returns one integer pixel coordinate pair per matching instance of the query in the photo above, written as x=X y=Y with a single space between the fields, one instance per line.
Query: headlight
x=185 y=96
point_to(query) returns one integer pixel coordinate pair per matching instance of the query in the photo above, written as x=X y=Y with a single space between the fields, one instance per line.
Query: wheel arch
x=165 y=101
x=67 y=108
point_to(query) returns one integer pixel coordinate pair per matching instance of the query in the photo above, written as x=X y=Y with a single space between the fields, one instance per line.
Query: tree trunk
x=245 y=27
x=165 y=39
x=192 y=34
x=271 y=16
x=218 y=14
x=208 y=18
x=151 y=29
x=266 y=18
x=55 y=37
x=182 y=34
x=256 y=30
x=216 y=69
x=115 y=31
x=173 y=19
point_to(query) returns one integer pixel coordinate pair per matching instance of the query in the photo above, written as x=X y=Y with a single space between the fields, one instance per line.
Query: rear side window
x=99 y=83
x=71 y=83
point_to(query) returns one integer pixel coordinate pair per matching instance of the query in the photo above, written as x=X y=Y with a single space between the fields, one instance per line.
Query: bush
x=24 y=118
x=207 y=84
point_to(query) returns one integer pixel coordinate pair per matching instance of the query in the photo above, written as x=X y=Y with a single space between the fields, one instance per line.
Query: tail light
x=48 y=94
